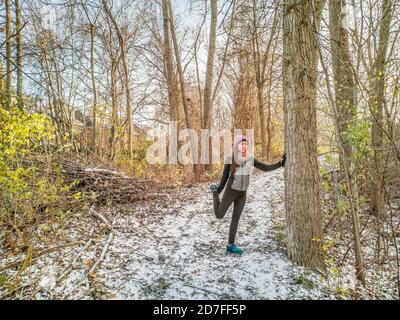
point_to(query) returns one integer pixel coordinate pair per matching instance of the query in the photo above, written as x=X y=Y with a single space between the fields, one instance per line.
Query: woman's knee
x=219 y=215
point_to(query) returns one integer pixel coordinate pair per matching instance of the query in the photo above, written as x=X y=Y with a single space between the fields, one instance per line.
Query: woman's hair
x=235 y=150
x=234 y=164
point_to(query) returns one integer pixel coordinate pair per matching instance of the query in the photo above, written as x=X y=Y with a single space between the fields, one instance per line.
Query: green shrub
x=29 y=191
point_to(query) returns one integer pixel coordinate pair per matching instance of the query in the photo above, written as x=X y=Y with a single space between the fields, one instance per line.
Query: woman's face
x=242 y=147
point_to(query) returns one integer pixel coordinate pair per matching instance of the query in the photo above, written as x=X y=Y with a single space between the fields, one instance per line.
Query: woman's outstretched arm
x=269 y=167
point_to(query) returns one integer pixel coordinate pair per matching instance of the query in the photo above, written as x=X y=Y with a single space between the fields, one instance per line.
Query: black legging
x=221 y=207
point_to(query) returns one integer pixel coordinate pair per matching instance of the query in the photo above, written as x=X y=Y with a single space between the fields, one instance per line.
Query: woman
x=237 y=171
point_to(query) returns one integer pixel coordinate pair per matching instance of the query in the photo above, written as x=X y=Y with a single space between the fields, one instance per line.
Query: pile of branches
x=104 y=186
x=99 y=184
x=29 y=228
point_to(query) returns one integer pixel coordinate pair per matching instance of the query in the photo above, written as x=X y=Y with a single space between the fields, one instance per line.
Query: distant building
x=79 y=119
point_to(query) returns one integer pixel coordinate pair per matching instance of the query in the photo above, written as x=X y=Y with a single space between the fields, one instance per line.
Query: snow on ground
x=177 y=251
x=181 y=252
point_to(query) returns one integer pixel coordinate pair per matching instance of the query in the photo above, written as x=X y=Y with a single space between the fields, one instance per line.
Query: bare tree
x=340 y=102
x=377 y=96
x=19 y=52
x=303 y=209
x=261 y=61
x=342 y=72
x=92 y=27
x=169 y=66
x=126 y=73
x=8 y=55
x=210 y=65
x=182 y=84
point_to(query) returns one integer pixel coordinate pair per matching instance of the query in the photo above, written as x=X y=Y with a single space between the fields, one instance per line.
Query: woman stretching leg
x=221 y=207
x=237 y=171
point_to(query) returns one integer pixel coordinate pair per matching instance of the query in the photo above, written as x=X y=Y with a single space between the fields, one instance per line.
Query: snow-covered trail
x=174 y=248
x=178 y=252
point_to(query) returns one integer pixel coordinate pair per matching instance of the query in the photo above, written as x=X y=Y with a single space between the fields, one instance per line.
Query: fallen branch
x=38 y=255
x=69 y=268
x=106 y=171
x=90 y=272
x=98 y=215
x=94 y=213
x=103 y=253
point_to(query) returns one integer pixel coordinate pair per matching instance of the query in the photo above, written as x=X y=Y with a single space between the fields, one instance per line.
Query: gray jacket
x=241 y=177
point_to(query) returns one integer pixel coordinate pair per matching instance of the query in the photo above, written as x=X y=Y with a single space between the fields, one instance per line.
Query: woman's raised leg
x=221 y=207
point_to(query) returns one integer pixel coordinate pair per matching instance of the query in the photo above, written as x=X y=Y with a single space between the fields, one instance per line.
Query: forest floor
x=175 y=249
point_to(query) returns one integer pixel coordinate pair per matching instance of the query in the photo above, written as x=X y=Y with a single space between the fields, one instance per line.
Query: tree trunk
x=126 y=74
x=210 y=66
x=169 y=67
x=342 y=73
x=8 y=55
x=245 y=95
x=94 y=86
x=1 y=84
x=349 y=181
x=182 y=86
x=260 y=80
x=19 y=54
x=208 y=88
x=260 y=100
x=269 y=110
x=344 y=110
x=114 y=115
x=377 y=96
x=303 y=210
x=261 y=61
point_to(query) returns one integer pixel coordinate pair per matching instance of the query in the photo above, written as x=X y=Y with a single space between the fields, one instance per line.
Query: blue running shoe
x=213 y=187
x=232 y=248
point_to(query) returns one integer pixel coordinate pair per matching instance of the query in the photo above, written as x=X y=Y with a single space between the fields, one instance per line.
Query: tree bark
x=19 y=54
x=210 y=66
x=1 y=84
x=94 y=86
x=350 y=181
x=114 y=115
x=342 y=73
x=344 y=111
x=260 y=61
x=377 y=97
x=182 y=86
x=208 y=88
x=169 y=67
x=8 y=55
x=126 y=74
x=303 y=210
x=93 y=78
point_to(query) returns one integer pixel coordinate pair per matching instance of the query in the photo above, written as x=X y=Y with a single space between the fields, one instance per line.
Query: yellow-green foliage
x=359 y=136
x=26 y=192
x=21 y=133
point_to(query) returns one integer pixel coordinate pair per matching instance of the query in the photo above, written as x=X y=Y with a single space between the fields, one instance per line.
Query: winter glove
x=283 y=160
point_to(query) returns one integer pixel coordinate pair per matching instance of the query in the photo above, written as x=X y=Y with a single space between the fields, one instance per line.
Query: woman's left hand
x=283 y=160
